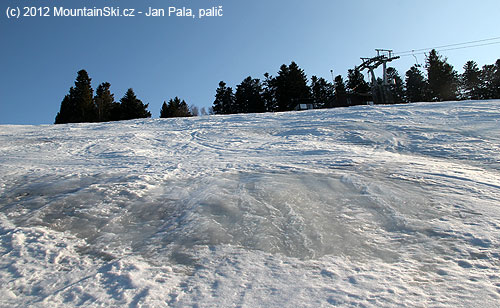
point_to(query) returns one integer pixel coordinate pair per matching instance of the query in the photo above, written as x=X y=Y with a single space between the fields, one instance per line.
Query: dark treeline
x=291 y=90
x=175 y=108
x=81 y=105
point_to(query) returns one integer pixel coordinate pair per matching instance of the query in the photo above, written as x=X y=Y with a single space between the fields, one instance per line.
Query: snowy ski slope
x=369 y=206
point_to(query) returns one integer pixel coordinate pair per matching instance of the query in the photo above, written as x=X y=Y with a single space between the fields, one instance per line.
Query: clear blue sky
x=164 y=57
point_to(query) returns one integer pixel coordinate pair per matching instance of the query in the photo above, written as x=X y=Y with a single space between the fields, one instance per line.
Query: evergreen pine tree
x=183 y=110
x=104 y=102
x=496 y=80
x=291 y=87
x=359 y=91
x=442 y=79
x=269 y=92
x=356 y=83
x=248 y=97
x=282 y=89
x=78 y=106
x=322 y=92
x=65 y=113
x=132 y=107
x=470 y=81
x=487 y=81
x=164 y=110
x=172 y=106
x=490 y=81
x=416 y=85
x=84 y=98
x=175 y=108
x=396 y=85
x=115 y=112
x=224 y=100
x=340 y=92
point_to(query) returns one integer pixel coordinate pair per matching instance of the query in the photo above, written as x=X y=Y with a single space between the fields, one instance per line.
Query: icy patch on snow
x=365 y=206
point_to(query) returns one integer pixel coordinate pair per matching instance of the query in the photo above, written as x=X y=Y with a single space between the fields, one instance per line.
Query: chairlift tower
x=381 y=92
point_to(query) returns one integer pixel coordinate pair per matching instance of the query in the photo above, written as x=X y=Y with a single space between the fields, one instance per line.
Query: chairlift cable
x=418 y=51
x=424 y=51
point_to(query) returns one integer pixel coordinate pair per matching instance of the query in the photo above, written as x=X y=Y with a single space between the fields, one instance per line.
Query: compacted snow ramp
x=365 y=206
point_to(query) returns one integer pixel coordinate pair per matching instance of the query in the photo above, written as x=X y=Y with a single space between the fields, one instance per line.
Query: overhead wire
x=469 y=44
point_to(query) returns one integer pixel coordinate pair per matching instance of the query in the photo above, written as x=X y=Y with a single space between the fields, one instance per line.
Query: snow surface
x=359 y=207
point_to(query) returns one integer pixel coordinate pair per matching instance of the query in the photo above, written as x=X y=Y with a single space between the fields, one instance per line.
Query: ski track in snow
x=365 y=206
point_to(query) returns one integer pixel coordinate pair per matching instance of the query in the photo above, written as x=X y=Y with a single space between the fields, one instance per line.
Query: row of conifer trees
x=437 y=81
x=81 y=105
